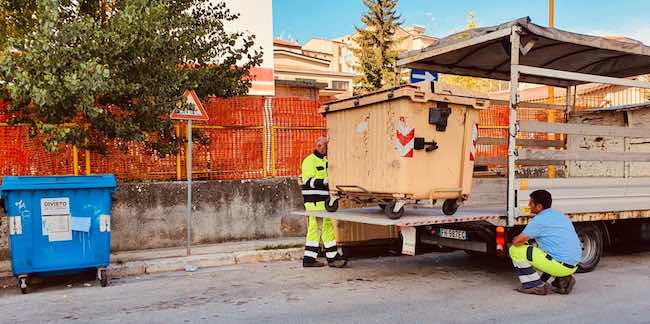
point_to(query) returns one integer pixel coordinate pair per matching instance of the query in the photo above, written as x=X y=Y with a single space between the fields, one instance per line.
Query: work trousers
x=535 y=267
x=313 y=239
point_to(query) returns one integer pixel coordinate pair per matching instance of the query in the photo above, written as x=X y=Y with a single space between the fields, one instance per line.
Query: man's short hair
x=542 y=197
x=321 y=140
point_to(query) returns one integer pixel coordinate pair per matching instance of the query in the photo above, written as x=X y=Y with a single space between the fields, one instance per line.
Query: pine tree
x=377 y=51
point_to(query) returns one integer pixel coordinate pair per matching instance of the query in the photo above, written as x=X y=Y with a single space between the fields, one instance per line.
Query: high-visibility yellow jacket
x=315 y=188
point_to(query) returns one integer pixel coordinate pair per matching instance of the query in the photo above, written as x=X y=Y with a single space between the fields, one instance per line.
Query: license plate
x=452 y=234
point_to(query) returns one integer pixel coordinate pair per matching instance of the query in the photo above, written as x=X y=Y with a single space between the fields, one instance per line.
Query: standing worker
x=315 y=190
x=558 y=253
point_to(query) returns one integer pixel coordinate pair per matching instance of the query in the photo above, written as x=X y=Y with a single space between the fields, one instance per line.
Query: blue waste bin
x=58 y=224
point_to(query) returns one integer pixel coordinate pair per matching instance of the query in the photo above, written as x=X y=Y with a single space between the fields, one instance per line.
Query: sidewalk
x=131 y=263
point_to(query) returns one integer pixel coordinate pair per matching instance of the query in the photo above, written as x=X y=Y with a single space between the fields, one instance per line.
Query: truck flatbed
x=412 y=216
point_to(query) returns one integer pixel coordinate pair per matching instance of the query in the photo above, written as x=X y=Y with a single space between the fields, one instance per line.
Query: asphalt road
x=432 y=288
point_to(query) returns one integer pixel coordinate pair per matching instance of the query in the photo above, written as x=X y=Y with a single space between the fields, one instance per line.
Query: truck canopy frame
x=486 y=53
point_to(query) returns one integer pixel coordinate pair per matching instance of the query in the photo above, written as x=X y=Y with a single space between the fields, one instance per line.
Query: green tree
x=473 y=83
x=96 y=70
x=16 y=19
x=377 y=53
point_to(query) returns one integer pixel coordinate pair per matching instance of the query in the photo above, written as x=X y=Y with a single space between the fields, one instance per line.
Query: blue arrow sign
x=423 y=75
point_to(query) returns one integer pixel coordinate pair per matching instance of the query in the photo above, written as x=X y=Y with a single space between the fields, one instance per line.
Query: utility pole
x=550 y=99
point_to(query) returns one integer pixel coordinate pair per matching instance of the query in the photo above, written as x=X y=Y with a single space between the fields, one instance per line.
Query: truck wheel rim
x=588 y=245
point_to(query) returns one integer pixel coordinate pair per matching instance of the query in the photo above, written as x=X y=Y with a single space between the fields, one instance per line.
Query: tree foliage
x=16 y=19
x=87 y=71
x=377 y=53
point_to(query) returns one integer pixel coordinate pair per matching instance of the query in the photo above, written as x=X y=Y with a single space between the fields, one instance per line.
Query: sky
x=302 y=20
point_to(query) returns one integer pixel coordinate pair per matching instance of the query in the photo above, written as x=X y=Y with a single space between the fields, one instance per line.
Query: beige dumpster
x=401 y=146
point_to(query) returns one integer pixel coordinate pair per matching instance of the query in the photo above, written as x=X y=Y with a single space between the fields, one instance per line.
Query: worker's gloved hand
x=326 y=182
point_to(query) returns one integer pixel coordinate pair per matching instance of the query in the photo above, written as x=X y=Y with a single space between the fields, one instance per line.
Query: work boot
x=337 y=262
x=564 y=285
x=313 y=263
x=540 y=290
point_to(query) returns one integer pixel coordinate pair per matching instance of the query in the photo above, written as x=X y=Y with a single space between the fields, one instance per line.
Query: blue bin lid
x=57 y=182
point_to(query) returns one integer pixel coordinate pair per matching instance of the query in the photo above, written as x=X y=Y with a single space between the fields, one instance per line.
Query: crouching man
x=558 y=253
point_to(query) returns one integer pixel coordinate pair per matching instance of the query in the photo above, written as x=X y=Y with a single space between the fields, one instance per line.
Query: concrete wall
x=152 y=215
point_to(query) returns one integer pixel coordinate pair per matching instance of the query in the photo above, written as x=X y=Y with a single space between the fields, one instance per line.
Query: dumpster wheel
x=22 y=284
x=102 y=276
x=389 y=210
x=332 y=206
x=450 y=206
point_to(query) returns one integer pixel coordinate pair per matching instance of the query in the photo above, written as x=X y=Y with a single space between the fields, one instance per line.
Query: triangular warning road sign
x=197 y=113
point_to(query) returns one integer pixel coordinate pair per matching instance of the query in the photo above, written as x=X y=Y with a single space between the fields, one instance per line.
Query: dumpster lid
x=57 y=182
x=418 y=92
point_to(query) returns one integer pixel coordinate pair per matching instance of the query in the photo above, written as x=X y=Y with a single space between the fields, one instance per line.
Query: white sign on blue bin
x=418 y=75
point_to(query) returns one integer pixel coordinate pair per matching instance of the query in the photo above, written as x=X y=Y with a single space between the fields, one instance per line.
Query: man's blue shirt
x=556 y=235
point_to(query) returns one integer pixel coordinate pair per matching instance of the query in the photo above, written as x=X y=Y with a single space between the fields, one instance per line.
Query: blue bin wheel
x=102 y=275
x=22 y=284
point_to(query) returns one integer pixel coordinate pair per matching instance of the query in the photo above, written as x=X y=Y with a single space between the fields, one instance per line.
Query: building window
x=340 y=85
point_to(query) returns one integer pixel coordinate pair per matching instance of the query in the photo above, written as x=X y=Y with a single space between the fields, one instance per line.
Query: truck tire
x=591 y=242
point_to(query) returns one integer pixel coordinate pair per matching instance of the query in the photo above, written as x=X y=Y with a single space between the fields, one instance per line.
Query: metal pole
x=552 y=170
x=512 y=123
x=189 y=186
x=551 y=13
x=568 y=107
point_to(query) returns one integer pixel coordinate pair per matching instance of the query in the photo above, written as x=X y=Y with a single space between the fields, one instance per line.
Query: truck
x=604 y=209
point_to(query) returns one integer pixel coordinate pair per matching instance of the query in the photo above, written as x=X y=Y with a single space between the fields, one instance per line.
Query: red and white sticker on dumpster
x=405 y=138
x=472 y=149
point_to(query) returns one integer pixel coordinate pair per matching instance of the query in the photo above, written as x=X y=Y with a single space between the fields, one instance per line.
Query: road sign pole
x=192 y=110
x=189 y=187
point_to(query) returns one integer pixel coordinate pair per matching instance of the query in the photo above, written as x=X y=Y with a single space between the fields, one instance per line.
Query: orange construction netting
x=297 y=124
x=233 y=153
x=22 y=155
x=493 y=124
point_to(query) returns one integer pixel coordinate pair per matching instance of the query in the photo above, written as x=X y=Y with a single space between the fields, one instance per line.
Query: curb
x=133 y=268
x=140 y=267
